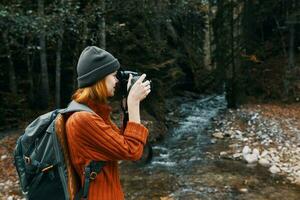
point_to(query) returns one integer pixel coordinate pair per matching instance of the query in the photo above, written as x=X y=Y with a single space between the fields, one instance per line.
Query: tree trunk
x=76 y=55
x=11 y=69
x=102 y=26
x=58 y=70
x=211 y=16
x=157 y=13
x=44 y=98
x=171 y=31
x=79 y=50
x=206 y=43
x=58 y=61
x=220 y=33
x=291 y=47
x=232 y=92
x=282 y=40
x=30 y=76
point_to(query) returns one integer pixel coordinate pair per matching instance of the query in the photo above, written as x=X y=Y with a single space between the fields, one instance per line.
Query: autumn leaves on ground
x=9 y=183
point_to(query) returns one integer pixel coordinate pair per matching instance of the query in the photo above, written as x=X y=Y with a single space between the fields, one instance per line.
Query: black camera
x=123 y=77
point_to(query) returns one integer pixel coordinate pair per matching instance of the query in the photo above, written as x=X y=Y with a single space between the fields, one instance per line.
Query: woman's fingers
x=146 y=83
x=148 y=87
x=147 y=91
x=141 y=79
x=140 y=89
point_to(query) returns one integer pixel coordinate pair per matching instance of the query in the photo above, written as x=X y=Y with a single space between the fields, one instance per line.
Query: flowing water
x=186 y=166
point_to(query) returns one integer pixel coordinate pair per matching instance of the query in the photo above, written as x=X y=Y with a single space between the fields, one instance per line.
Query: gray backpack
x=42 y=160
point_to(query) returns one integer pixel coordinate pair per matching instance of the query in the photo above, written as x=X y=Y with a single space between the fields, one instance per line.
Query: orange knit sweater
x=95 y=137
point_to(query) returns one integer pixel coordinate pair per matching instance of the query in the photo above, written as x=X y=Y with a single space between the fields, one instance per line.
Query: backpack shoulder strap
x=74 y=107
x=94 y=167
x=91 y=171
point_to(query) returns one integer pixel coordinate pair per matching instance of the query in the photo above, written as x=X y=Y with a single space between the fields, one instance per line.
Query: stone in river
x=274 y=169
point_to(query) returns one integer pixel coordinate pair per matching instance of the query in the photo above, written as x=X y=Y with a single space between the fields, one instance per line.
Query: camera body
x=123 y=77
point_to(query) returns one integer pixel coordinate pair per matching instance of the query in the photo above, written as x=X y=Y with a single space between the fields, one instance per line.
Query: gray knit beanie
x=94 y=64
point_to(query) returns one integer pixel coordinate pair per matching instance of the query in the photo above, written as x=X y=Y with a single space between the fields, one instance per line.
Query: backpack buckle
x=93 y=175
x=27 y=160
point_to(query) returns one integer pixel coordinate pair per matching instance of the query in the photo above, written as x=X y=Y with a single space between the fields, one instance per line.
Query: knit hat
x=94 y=64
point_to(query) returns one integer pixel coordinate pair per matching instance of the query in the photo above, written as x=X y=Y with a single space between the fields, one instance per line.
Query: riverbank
x=265 y=134
x=255 y=133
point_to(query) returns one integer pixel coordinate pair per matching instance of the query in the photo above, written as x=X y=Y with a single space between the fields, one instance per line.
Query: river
x=186 y=164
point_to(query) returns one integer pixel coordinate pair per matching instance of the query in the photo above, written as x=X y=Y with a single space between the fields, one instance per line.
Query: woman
x=93 y=136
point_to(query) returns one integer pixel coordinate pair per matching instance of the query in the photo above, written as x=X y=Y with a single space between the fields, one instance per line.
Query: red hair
x=97 y=93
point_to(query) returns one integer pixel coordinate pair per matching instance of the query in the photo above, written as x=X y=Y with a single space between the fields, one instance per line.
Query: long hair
x=97 y=93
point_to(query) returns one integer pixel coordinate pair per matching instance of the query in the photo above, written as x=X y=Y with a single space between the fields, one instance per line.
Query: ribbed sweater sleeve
x=98 y=140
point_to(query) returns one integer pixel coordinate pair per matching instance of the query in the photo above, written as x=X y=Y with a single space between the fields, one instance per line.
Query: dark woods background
x=246 y=48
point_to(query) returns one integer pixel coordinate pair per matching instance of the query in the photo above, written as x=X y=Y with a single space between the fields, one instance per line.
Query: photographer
x=93 y=136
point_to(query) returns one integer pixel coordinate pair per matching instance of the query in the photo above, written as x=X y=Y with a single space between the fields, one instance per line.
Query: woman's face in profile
x=111 y=82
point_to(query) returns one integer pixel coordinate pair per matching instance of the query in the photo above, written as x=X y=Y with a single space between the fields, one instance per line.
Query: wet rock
x=264 y=162
x=234 y=146
x=259 y=133
x=213 y=141
x=297 y=180
x=255 y=152
x=264 y=153
x=8 y=182
x=274 y=169
x=237 y=155
x=243 y=190
x=276 y=158
x=286 y=169
x=246 y=150
x=250 y=158
x=264 y=137
x=223 y=153
x=255 y=116
x=210 y=190
x=218 y=135
x=255 y=144
x=3 y=157
x=297 y=167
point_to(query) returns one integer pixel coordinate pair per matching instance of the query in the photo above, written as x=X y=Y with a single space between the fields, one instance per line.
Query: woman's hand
x=137 y=93
x=139 y=90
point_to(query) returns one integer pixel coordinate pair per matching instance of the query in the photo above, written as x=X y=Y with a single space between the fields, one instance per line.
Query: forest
x=246 y=50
